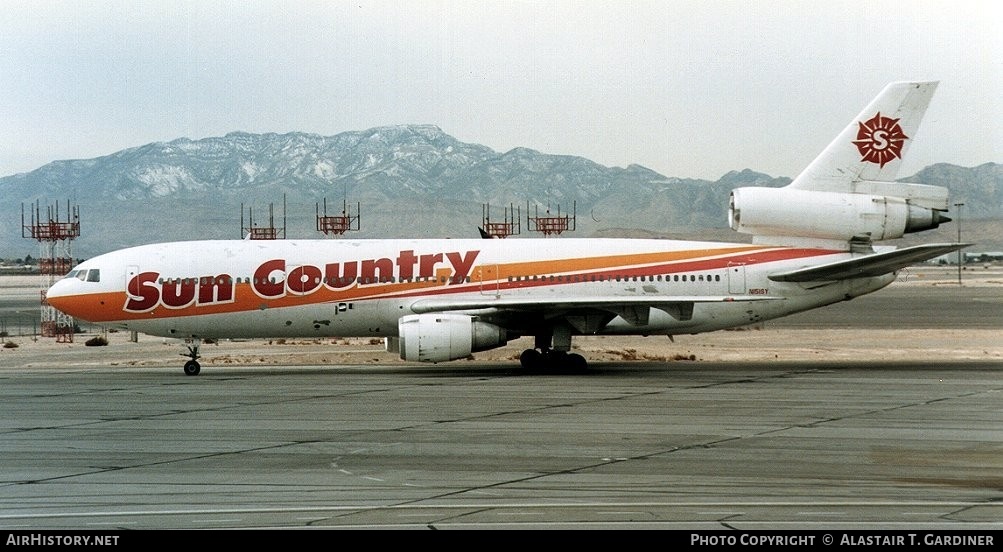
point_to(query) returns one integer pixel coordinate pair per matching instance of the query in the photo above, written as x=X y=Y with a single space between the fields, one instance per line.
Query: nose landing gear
x=192 y=367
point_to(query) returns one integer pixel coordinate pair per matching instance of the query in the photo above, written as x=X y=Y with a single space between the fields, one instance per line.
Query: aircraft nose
x=60 y=296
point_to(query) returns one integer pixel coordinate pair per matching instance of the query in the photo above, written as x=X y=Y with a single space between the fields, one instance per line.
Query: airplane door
x=488 y=278
x=736 y=278
x=131 y=272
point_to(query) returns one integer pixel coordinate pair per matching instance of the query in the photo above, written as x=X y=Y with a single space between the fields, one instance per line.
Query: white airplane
x=437 y=300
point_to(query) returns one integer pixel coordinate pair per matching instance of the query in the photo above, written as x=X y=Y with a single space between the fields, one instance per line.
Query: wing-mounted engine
x=874 y=210
x=438 y=337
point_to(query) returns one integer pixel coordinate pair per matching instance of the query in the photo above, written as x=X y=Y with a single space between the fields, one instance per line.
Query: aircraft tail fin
x=872 y=146
x=849 y=192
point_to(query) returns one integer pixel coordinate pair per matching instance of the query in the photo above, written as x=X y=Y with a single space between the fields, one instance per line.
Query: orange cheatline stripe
x=576 y=264
x=107 y=307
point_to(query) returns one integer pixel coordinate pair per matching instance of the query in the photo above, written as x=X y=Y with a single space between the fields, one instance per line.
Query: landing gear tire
x=552 y=361
x=575 y=362
x=531 y=359
x=192 y=368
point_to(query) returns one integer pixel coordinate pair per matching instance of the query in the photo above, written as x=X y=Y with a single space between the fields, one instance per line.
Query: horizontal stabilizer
x=868 y=266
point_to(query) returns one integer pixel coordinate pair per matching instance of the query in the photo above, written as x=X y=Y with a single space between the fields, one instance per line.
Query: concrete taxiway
x=856 y=427
x=690 y=445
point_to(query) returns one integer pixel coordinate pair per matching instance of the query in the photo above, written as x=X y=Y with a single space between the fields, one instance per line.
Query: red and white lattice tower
x=552 y=224
x=336 y=225
x=55 y=237
x=509 y=226
x=270 y=232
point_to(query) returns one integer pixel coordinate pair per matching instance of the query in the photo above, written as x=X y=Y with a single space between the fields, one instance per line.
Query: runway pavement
x=907 y=307
x=868 y=441
x=692 y=445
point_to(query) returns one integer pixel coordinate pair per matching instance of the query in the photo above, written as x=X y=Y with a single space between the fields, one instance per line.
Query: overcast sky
x=687 y=88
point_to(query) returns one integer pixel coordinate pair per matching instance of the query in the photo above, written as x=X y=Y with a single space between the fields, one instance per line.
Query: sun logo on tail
x=880 y=139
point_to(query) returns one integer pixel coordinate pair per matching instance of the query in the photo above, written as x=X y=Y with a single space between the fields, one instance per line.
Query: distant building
x=987 y=257
x=968 y=257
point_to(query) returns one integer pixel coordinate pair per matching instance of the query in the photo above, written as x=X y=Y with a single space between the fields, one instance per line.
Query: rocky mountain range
x=408 y=180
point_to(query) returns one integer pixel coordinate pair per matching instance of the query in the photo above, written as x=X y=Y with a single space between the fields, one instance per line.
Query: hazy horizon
x=687 y=89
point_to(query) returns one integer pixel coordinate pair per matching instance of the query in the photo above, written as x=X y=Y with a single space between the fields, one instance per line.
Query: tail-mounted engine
x=441 y=337
x=877 y=210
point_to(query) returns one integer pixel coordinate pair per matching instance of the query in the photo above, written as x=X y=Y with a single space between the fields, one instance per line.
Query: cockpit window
x=92 y=275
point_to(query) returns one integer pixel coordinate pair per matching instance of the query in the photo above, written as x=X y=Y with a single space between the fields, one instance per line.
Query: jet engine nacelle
x=828 y=215
x=442 y=337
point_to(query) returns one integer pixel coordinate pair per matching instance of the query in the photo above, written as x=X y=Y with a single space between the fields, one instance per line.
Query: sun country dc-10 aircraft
x=437 y=300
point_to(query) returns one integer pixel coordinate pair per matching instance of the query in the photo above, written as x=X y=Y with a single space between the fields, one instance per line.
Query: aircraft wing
x=869 y=265
x=558 y=303
x=634 y=309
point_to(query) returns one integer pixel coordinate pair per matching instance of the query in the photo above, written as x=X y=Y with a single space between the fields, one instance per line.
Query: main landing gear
x=552 y=353
x=552 y=360
x=192 y=367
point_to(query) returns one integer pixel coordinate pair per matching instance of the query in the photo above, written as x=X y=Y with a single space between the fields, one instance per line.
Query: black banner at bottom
x=588 y=535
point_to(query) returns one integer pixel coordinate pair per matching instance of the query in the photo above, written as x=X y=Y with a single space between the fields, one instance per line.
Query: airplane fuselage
x=358 y=288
